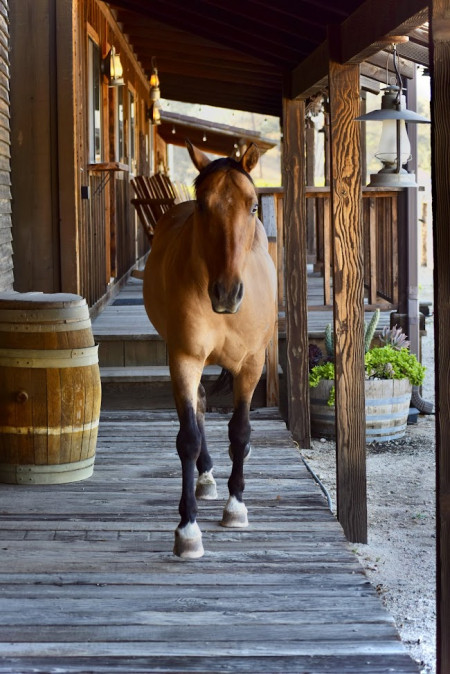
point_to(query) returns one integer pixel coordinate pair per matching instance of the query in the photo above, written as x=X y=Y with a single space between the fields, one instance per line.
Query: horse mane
x=226 y=163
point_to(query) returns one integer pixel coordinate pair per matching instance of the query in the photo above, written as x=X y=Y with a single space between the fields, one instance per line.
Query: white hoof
x=234 y=514
x=206 y=488
x=188 y=542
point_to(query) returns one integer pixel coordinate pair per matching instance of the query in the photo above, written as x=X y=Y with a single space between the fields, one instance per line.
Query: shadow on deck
x=89 y=583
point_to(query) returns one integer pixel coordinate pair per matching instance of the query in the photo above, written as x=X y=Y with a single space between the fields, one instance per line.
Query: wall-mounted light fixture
x=112 y=68
x=154 y=111
x=394 y=148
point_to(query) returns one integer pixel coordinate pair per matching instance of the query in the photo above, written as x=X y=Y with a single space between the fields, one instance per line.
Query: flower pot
x=387 y=405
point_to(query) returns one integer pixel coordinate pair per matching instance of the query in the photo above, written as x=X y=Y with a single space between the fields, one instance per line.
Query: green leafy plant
x=391 y=361
x=386 y=362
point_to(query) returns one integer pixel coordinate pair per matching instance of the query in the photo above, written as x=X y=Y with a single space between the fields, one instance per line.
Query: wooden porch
x=89 y=583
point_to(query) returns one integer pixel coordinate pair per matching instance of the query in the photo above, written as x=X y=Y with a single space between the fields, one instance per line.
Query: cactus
x=329 y=342
x=369 y=330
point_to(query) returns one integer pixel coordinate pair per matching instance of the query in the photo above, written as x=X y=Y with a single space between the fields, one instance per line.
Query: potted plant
x=391 y=371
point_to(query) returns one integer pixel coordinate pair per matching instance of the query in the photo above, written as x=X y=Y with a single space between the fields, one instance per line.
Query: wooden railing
x=381 y=236
x=110 y=240
x=381 y=255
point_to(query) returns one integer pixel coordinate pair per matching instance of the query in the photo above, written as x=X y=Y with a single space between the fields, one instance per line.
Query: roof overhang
x=209 y=136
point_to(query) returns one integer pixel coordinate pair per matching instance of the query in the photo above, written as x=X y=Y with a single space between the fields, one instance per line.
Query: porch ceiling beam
x=232 y=36
x=384 y=58
x=356 y=39
x=363 y=33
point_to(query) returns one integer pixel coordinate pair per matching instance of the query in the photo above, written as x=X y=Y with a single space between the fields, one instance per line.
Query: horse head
x=225 y=221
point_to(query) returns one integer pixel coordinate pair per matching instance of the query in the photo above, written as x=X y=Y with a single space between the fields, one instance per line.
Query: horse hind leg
x=206 y=487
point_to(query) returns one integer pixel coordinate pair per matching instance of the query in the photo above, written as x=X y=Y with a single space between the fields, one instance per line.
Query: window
x=94 y=103
x=132 y=118
x=120 y=126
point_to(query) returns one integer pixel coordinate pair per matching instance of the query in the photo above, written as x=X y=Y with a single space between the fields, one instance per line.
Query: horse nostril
x=217 y=291
x=240 y=292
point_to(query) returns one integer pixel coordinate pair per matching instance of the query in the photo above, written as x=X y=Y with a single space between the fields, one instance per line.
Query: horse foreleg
x=206 y=488
x=188 y=537
x=235 y=512
x=185 y=380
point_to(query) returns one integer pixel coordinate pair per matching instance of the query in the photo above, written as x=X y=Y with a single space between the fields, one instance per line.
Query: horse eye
x=254 y=209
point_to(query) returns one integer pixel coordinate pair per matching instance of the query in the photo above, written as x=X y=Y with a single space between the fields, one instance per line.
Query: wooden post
x=295 y=270
x=440 y=145
x=348 y=283
x=310 y=210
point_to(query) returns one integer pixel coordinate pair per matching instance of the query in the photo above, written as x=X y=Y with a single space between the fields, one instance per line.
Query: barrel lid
x=37 y=300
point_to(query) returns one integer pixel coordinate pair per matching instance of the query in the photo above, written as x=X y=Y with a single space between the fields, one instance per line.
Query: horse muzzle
x=226 y=300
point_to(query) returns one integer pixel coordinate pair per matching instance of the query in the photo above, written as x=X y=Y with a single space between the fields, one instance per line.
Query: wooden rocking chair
x=155 y=195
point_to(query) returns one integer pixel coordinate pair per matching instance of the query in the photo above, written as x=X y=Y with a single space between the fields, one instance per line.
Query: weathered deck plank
x=89 y=583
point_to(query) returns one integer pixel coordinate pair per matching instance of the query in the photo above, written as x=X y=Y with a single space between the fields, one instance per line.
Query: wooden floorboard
x=89 y=583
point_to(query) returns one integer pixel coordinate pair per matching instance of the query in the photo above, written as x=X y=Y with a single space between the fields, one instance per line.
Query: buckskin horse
x=209 y=290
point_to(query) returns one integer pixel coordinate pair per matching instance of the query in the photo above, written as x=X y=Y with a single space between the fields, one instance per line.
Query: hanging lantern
x=394 y=148
x=112 y=68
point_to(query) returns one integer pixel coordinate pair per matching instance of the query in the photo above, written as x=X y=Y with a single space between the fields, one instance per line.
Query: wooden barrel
x=50 y=389
x=387 y=406
x=323 y=417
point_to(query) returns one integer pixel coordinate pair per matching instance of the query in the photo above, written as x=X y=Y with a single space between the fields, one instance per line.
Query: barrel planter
x=50 y=389
x=387 y=406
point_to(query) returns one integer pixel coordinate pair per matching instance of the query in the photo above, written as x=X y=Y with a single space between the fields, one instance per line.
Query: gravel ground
x=399 y=559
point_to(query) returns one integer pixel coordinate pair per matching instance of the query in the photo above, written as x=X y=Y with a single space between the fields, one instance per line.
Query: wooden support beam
x=295 y=269
x=364 y=32
x=348 y=283
x=356 y=39
x=440 y=57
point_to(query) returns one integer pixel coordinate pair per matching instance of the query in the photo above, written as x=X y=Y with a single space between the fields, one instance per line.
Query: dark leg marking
x=206 y=485
x=188 y=447
x=188 y=537
x=235 y=512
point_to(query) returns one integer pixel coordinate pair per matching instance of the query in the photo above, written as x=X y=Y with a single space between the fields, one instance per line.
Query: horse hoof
x=206 y=488
x=188 y=542
x=247 y=452
x=234 y=514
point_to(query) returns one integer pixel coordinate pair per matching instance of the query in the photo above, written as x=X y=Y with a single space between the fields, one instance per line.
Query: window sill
x=108 y=166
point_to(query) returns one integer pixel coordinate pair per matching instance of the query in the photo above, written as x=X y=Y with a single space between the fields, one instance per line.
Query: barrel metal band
x=55 y=473
x=47 y=358
x=43 y=315
x=67 y=325
x=49 y=430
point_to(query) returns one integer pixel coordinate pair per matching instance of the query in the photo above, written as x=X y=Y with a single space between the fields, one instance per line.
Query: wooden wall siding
x=440 y=26
x=63 y=242
x=33 y=137
x=93 y=242
x=110 y=214
x=6 y=259
x=348 y=284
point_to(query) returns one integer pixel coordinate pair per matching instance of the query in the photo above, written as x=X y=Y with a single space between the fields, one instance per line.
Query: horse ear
x=199 y=158
x=250 y=158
